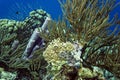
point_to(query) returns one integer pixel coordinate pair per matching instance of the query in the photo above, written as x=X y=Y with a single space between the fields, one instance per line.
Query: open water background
x=8 y=8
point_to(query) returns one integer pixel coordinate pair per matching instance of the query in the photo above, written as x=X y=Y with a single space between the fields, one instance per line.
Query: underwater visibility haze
x=59 y=40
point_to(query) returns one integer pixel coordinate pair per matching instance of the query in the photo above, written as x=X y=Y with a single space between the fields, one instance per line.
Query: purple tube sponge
x=35 y=40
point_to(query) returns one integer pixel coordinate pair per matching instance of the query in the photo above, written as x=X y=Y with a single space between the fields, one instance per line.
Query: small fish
x=17 y=12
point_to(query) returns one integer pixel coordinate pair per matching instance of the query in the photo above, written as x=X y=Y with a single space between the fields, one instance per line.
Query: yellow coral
x=52 y=52
x=86 y=73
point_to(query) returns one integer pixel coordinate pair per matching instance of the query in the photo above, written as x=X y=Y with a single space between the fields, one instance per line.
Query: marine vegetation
x=86 y=24
x=14 y=36
x=80 y=46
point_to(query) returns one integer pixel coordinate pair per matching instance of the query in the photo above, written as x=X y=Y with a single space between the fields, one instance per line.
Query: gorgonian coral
x=88 y=22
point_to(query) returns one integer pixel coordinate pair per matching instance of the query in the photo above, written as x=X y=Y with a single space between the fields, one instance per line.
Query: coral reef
x=78 y=47
x=87 y=21
x=14 y=36
x=64 y=58
x=24 y=29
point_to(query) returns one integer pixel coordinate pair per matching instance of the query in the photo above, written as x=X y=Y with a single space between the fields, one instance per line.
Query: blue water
x=8 y=8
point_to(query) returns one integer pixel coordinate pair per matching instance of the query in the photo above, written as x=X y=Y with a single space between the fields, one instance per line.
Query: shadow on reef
x=77 y=47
